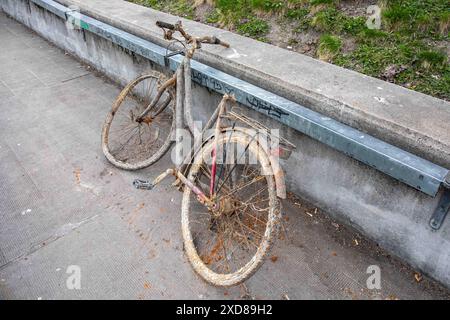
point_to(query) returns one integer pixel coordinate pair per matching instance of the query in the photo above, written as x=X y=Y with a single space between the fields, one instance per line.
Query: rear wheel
x=228 y=245
x=130 y=143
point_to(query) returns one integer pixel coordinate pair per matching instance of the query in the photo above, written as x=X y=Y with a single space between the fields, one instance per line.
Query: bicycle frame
x=177 y=172
x=182 y=80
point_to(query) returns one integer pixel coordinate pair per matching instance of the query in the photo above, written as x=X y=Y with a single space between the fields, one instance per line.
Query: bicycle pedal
x=143 y=184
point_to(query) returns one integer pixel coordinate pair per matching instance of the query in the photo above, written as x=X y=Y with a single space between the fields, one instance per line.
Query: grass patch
x=354 y=25
x=329 y=47
x=444 y=23
x=322 y=2
x=432 y=59
x=267 y=5
x=254 y=27
x=404 y=51
x=327 y=20
x=409 y=63
x=214 y=16
x=180 y=8
x=296 y=13
x=332 y=20
x=418 y=18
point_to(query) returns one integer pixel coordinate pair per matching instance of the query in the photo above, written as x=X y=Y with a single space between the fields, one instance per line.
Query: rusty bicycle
x=231 y=177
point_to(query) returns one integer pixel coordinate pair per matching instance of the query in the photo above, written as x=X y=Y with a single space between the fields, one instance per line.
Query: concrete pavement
x=62 y=204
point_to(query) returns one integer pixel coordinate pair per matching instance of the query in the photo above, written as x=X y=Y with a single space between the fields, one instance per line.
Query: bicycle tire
x=271 y=228
x=127 y=93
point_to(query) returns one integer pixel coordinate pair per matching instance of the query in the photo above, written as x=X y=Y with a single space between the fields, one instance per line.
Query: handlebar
x=189 y=39
x=165 y=25
x=214 y=40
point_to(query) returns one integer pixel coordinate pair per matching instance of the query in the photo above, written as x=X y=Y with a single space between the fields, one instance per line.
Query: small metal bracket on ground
x=438 y=217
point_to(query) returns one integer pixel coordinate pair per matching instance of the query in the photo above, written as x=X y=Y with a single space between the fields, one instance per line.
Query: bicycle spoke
x=239 y=158
x=245 y=185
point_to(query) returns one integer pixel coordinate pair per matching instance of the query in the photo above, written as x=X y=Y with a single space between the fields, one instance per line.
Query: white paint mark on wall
x=235 y=54
x=380 y=100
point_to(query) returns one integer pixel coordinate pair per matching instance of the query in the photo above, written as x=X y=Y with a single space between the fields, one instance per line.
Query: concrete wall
x=385 y=210
x=394 y=114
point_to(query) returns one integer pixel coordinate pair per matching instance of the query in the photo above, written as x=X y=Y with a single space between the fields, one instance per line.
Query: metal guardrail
x=406 y=167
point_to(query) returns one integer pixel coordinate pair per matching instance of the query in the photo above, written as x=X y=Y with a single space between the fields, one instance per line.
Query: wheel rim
x=131 y=143
x=228 y=246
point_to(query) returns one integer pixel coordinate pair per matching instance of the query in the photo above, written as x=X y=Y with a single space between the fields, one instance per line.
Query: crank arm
x=201 y=197
x=147 y=185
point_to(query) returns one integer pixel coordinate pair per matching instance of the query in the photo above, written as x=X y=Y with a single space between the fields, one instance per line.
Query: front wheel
x=227 y=246
x=129 y=142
